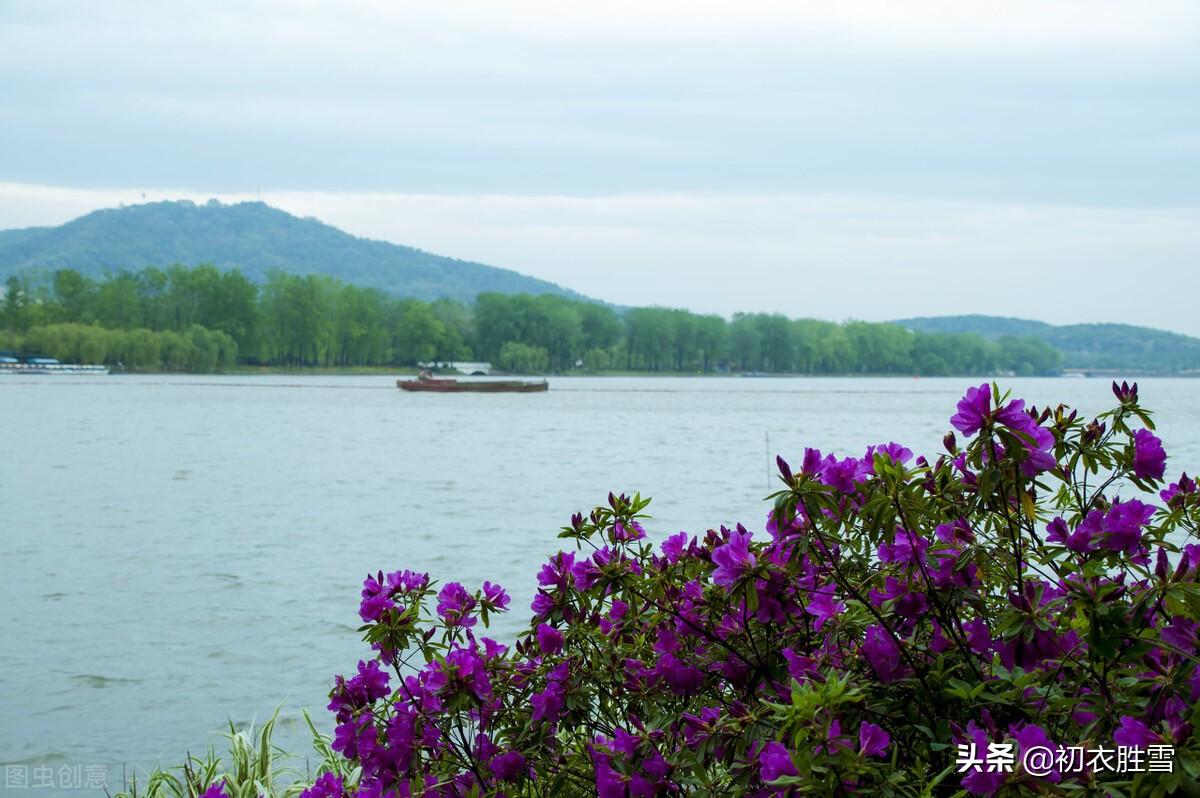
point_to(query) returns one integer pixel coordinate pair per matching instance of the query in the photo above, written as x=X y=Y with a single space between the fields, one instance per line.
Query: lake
x=179 y=551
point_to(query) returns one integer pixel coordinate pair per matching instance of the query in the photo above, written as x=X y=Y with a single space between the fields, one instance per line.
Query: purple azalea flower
x=1032 y=736
x=872 y=740
x=894 y=451
x=948 y=573
x=979 y=637
x=623 y=532
x=655 y=767
x=216 y=790
x=957 y=532
x=1149 y=459
x=328 y=786
x=842 y=474
x=973 y=410
x=883 y=654
x=1190 y=561
x=465 y=669
x=789 y=530
x=834 y=741
x=1135 y=733
x=1057 y=531
x=556 y=573
x=673 y=547
x=372 y=608
x=549 y=639
x=774 y=762
x=401 y=735
x=938 y=642
x=683 y=679
x=495 y=597
x=1175 y=713
x=347 y=735
x=586 y=572
x=698 y=728
x=492 y=649
x=548 y=704
x=907 y=603
x=609 y=783
x=369 y=685
x=968 y=476
x=406 y=582
x=509 y=766
x=813 y=463
x=905 y=547
x=554 y=578
x=733 y=559
x=1037 y=441
x=543 y=604
x=455 y=605
x=1181 y=633
x=1184 y=487
x=612 y=621
x=625 y=743
x=371 y=682
x=977 y=779
x=821 y=605
x=1085 y=536
x=1123 y=525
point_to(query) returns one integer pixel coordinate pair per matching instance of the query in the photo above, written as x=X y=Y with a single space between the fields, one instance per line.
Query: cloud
x=827 y=255
x=1045 y=102
x=867 y=158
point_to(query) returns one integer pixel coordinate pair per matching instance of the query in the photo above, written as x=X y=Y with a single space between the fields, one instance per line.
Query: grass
x=251 y=767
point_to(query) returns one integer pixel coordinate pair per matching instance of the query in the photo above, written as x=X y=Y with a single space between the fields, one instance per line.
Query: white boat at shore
x=11 y=364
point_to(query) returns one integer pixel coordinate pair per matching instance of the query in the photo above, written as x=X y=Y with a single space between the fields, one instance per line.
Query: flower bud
x=785 y=470
x=1125 y=393
x=1161 y=565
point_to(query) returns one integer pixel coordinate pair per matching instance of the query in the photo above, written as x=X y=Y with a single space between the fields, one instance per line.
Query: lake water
x=182 y=551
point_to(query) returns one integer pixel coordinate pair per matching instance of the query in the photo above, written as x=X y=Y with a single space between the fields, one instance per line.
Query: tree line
x=204 y=319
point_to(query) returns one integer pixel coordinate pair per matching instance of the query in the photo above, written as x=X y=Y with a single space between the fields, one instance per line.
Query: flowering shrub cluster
x=1036 y=583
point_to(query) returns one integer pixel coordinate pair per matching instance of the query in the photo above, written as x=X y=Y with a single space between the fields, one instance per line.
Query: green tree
x=16 y=303
x=75 y=294
x=417 y=334
x=522 y=358
x=596 y=360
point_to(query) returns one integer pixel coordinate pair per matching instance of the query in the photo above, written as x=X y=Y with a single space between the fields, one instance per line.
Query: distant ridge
x=1084 y=346
x=255 y=238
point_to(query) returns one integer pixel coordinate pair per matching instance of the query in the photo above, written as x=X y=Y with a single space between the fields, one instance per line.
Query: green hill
x=1084 y=346
x=254 y=238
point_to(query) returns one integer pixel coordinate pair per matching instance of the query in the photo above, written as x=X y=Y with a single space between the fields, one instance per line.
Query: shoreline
x=401 y=371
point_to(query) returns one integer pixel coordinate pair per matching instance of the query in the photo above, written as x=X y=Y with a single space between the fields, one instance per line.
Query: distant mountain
x=255 y=238
x=1097 y=346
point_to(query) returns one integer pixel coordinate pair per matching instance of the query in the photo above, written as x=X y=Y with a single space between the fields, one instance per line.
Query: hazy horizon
x=856 y=160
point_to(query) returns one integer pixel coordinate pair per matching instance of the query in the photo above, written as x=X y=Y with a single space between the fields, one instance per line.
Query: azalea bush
x=1035 y=584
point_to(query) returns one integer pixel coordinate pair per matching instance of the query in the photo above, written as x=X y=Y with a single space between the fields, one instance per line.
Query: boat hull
x=490 y=386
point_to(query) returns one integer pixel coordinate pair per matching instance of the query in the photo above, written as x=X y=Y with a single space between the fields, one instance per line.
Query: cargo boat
x=424 y=382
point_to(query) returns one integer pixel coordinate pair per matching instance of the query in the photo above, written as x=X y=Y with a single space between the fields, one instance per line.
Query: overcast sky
x=839 y=159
